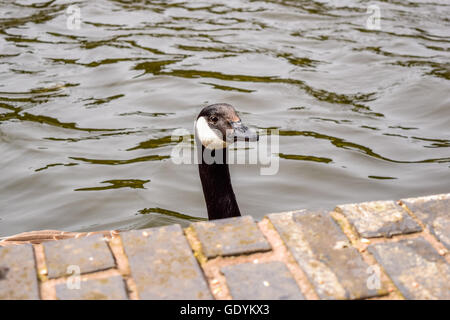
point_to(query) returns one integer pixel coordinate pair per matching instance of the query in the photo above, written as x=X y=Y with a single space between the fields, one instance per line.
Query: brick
x=232 y=236
x=415 y=267
x=262 y=281
x=89 y=254
x=112 y=288
x=18 y=278
x=162 y=264
x=434 y=212
x=333 y=266
x=379 y=219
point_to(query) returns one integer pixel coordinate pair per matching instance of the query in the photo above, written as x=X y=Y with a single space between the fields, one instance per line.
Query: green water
x=86 y=115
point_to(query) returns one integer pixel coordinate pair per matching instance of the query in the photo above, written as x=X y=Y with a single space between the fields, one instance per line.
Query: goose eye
x=213 y=119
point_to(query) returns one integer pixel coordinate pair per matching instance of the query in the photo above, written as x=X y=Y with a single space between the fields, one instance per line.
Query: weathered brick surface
x=379 y=219
x=18 y=279
x=112 y=288
x=415 y=267
x=162 y=264
x=434 y=211
x=262 y=281
x=89 y=254
x=231 y=236
x=334 y=267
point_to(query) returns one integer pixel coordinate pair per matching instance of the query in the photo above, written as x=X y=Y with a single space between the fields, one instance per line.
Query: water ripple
x=363 y=114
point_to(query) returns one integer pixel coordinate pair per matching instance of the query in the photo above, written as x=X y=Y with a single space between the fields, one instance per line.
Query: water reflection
x=116 y=184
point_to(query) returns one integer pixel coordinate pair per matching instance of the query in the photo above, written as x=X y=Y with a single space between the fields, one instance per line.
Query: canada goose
x=216 y=127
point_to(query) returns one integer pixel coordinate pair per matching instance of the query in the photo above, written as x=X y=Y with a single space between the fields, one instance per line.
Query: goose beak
x=243 y=133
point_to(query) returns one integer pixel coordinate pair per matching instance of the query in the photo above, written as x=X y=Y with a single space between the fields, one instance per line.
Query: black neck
x=219 y=196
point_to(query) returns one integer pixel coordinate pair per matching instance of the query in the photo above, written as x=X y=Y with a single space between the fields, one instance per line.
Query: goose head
x=219 y=125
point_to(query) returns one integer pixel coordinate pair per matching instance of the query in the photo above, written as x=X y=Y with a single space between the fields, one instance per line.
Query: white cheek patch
x=207 y=136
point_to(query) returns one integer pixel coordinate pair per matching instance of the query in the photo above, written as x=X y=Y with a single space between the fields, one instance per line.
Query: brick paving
x=112 y=288
x=417 y=270
x=261 y=281
x=379 y=219
x=228 y=237
x=372 y=250
x=162 y=264
x=334 y=267
x=89 y=254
